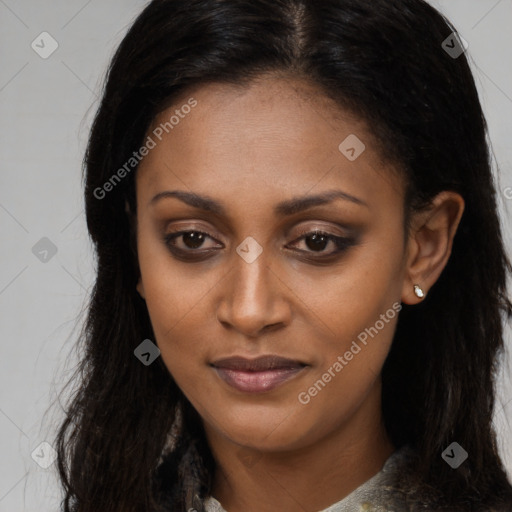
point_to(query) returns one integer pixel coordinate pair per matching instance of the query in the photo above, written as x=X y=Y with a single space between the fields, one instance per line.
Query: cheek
x=354 y=356
x=358 y=307
x=180 y=320
x=173 y=291
x=348 y=374
x=180 y=325
x=175 y=296
x=346 y=302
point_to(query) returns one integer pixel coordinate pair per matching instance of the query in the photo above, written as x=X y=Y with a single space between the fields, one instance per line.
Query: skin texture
x=249 y=149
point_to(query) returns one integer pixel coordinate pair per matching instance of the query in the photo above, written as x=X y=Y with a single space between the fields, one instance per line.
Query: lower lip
x=257 y=382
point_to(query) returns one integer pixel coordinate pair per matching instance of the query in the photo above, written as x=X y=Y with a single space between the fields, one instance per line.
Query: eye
x=191 y=244
x=190 y=241
x=316 y=241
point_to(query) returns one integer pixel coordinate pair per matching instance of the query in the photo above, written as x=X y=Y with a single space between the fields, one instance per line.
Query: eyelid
x=328 y=231
x=302 y=231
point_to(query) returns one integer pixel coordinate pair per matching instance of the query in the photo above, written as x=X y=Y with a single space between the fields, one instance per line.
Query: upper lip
x=268 y=362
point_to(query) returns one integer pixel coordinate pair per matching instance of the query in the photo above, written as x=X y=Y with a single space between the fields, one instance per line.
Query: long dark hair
x=384 y=61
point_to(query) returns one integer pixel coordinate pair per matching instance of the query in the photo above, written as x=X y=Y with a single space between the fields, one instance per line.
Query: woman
x=300 y=267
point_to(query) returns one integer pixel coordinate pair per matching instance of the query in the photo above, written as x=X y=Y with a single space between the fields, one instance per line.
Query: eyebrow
x=282 y=209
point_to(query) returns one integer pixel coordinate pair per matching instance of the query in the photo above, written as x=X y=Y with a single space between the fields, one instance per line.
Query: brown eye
x=317 y=241
x=193 y=239
x=190 y=241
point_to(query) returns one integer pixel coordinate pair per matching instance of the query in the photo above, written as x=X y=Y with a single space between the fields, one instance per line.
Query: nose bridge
x=250 y=302
x=251 y=281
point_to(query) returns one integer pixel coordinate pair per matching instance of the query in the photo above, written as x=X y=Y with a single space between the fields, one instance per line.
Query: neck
x=311 y=477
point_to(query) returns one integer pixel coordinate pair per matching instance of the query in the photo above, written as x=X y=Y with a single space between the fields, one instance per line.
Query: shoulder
x=399 y=490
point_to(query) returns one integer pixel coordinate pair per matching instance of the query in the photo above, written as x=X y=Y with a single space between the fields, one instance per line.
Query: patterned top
x=365 y=498
x=395 y=488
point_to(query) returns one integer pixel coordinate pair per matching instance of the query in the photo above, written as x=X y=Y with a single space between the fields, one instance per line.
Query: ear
x=430 y=243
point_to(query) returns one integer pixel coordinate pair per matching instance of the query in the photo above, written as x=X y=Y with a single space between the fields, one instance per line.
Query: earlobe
x=430 y=244
x=418 y=291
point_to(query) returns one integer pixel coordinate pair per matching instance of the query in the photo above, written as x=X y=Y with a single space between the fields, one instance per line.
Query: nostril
x=270 y=327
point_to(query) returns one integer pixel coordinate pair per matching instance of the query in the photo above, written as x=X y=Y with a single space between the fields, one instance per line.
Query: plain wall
x=46 y=108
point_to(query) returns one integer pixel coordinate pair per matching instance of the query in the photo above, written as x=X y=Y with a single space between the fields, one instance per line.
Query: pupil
x=319 y=242
x=193 y=240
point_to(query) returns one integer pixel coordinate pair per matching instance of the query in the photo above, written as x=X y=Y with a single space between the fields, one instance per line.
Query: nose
x=254 y=299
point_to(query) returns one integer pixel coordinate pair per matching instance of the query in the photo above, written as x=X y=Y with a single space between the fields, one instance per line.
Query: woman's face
x=250 y=279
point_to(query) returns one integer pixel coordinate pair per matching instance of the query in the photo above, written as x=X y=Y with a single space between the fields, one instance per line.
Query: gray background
x=46 y=107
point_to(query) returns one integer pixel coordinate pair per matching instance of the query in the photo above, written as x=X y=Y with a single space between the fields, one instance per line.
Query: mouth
x=257 y=375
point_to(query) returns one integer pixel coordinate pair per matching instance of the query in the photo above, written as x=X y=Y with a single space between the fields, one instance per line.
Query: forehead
x=277 y=136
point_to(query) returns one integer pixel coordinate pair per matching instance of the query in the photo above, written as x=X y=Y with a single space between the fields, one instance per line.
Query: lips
x=270 y=362
x=257 y=375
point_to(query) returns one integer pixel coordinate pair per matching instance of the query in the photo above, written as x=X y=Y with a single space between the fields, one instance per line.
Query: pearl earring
x=418 y=291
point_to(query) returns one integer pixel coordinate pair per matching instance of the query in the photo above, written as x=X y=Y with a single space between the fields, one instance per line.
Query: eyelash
x=342 y=244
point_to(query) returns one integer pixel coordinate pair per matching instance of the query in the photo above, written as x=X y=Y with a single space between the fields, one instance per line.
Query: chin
x=253 y=431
